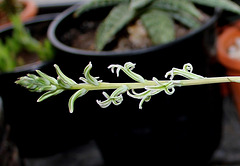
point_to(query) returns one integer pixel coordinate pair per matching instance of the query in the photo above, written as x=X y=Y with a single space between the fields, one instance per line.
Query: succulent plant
x=157 y=16
x=20 y=40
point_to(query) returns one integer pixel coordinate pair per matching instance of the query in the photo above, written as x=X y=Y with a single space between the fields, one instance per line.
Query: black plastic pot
x=40 y=129
x=177 y=129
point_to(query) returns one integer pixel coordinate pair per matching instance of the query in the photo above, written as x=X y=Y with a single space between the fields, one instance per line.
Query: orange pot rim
x=29 y=11
x=225 y=40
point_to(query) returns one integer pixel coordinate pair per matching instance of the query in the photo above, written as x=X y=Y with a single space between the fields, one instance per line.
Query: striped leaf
x=223 y=4
x=119 y=17
x=136 y=4
x=159 y=25
x=186 y=19
x=176 y=6
x=97 y=4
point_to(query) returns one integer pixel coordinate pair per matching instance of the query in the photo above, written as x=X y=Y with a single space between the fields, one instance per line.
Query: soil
x=3 y=18
x=25 y=57
x=134 y=36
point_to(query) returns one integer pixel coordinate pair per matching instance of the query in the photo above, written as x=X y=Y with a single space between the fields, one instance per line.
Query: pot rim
x=61 y=46
x=30 y=10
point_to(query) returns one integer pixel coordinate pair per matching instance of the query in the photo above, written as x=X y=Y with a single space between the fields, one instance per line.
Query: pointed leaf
x=97 y=4
x=186 y=19
x=176 y=6
x=119 y=17
x=159 y=25
x=136 y=4
x=223 y=4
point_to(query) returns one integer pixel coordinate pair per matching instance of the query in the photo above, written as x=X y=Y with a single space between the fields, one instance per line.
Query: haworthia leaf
x=96 y=4
x=186 y=19
x=136 y=4
x=177 y=5
x=223 y=4
x=120 y=16
x=49 y=94
x=76 y=95
x=159 y=25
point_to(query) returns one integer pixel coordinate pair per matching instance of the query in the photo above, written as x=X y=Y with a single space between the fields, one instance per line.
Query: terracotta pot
x=225 y=40
x=30 y=10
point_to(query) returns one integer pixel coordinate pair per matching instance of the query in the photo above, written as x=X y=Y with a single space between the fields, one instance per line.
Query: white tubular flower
x=127 y=69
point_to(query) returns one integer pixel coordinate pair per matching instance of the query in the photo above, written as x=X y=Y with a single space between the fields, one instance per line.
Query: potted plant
x=65 y=30
x=25 y=8
x=227 y=53
x=35 y=129
x=134 y=134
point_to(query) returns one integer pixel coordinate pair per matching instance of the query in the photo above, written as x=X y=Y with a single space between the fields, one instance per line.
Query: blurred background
x=227 y=154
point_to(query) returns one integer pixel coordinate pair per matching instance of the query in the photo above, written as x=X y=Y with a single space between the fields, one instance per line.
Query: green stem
x=105 y=85
x=212 y=80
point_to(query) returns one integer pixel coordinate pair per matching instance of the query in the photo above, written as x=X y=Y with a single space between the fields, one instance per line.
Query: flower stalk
x=136 y=85
x=52 y=86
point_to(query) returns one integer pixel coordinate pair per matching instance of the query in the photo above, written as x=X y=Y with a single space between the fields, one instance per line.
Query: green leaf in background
x=7 y=59
x=186 y=19
x=20 y=40
x=176 y=6
x=136 y=4
x=119 y=17
x=223 y=4
x=97 y=4
x=159 y=25
x=124 y=11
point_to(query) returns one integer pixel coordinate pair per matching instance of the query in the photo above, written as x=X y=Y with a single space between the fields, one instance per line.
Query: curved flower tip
x=185 y=72
x=76 y=95
x=127 y=69
x=116 y=97
x=88 y=77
